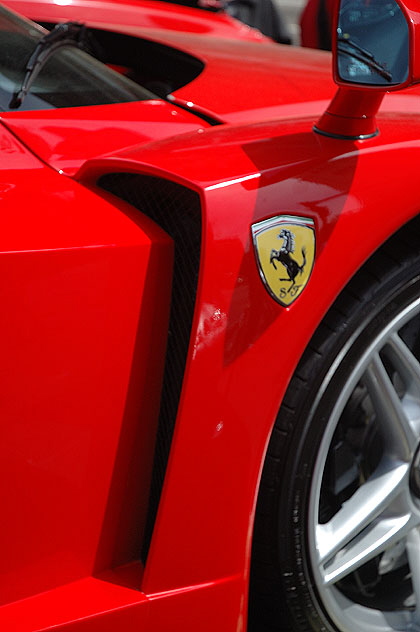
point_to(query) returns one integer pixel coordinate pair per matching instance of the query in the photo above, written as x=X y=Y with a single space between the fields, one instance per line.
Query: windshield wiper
x=65 y=34
x=362 y=55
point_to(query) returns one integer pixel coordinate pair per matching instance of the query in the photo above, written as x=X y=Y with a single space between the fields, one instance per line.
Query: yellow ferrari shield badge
x=285 y=251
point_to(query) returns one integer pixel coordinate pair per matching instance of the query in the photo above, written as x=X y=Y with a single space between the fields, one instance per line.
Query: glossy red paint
x=258 y=96
x=151 y=16
x=85 y=286
x=74 y=293
x=65 y=138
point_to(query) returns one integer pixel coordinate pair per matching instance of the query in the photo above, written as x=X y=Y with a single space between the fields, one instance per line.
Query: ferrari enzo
x=210 y=340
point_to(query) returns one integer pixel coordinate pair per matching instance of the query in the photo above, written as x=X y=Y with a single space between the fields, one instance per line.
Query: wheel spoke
x=371 y=542
x=404 y=360
x=408 y=368
x=366 y=504
x=396 y=430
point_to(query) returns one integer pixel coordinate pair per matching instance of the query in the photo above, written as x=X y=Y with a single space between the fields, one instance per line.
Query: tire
x=337 y=532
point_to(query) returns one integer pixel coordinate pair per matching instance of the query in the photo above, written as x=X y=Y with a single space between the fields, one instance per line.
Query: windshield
x=69 y=78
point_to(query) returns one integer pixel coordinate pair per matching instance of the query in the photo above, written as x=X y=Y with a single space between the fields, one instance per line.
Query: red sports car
x=210 y=341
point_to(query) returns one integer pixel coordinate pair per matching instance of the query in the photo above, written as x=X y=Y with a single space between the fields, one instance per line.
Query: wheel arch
x=406 y=236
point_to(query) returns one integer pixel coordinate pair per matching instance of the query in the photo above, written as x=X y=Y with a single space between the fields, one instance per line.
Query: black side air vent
x=177 y=210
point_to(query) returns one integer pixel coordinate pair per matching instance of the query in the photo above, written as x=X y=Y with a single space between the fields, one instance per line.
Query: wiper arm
x=362 y=55
x=65 y=34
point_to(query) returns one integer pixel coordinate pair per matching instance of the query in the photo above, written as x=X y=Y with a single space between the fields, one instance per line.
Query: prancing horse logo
x=296 y=255
x=283 y=255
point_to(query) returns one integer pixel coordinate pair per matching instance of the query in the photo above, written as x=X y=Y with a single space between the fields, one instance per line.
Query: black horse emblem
x=284 y=257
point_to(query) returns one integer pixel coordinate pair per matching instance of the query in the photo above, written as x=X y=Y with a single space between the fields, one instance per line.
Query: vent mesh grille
x=176 y=210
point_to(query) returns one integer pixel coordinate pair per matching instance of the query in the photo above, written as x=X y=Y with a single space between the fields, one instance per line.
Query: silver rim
x=364 y=512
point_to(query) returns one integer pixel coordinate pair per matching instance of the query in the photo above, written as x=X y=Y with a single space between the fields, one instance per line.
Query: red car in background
x=210 y=284
x=151 y=16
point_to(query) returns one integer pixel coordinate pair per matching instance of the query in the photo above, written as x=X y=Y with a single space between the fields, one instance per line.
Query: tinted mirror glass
x=372 y=43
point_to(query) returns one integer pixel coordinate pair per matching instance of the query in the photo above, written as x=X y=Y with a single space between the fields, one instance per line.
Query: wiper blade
x=65 y=34
x=362 y=55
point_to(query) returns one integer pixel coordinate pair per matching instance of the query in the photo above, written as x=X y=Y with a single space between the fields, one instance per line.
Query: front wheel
x=337 y=536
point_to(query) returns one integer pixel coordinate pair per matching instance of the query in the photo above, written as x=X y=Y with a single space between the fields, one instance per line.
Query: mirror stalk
x=351 y=114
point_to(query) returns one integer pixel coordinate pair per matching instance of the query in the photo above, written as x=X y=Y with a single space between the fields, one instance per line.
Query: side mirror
x=376 y=49
x=372 y=44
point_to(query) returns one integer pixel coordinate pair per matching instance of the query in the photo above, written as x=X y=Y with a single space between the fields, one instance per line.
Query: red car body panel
x=86 y=287
x=153 y=17
x=65 y=138
x=266 y=170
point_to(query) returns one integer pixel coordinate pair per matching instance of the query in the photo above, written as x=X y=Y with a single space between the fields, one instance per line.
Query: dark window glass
x=69 y=78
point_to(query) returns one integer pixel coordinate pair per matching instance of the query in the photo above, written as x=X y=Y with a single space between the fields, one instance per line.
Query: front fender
x=245 y=346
